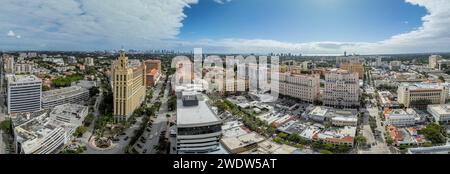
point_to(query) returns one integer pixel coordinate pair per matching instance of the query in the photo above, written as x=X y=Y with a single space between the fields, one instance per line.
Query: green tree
x=79 y=131
x=6 y=126
x=361 y=140
x=434 y=133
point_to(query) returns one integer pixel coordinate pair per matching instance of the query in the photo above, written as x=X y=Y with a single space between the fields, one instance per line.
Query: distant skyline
x=228 y=26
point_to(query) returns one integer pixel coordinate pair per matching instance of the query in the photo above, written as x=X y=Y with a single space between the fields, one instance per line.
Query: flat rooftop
x=200 y=114
x=62 y=93
x=440 y=109
x=423 y=86
x=22 y=78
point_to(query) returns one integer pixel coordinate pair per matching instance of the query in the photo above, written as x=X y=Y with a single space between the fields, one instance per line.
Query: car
x=143 y=141
x=144 y=151
x=126 y=138
x=139 y=145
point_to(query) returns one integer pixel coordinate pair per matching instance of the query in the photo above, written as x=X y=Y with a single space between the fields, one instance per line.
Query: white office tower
x=341 y=89
x=198 y=127
x=24 y=93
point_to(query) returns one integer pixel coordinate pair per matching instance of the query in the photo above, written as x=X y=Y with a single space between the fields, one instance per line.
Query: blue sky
x=228 y=26
x=301 y=21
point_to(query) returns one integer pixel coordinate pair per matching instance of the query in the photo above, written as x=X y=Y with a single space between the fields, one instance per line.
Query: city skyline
x=229 y=26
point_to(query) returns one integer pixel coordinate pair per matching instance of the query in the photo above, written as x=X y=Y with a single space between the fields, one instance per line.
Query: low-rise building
x=400 y=117
x=47 y=133
x=336 y=116
x=445 y=149
x=341 y=136
x=441 y=113
x=242 y=143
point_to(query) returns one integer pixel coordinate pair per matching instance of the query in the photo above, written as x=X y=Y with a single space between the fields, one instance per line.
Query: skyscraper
x=129 y=86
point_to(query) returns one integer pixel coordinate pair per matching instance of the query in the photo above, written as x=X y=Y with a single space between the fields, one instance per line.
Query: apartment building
x=24 y=93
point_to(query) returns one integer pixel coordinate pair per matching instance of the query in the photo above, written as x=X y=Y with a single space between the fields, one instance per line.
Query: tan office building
x=413 y=94
x=354 y=68
x=129 y=86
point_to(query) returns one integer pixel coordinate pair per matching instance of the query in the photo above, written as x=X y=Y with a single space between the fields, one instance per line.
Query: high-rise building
x=8 y=63
x=303 y=87
x=129 y=85
x=341 y=89
x=433 y=61
x=421 y=94
x=89 y=61
x=354 y=68
x=24 y=93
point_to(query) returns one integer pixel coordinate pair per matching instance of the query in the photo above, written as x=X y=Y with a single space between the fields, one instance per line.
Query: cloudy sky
x=228 y=26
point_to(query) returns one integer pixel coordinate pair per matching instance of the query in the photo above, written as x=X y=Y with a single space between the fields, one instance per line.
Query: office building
x=73 y=95
x=421 y=94
x=198 y=127
x=341 y=89
x=129 y=85
x=24 y=93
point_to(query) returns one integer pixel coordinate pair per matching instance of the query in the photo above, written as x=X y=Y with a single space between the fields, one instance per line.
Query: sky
x=228 y=26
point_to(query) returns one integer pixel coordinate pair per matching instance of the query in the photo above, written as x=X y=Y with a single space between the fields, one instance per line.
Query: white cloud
x=155 y=24
x=88 y=24
x=432 y=36
x=11 y=33
x=222 y=1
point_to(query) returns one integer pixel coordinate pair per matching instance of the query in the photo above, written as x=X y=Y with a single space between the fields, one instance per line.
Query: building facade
x=24 y=93
x=129 y=86
x=341 y=89
x=153 y=71
x=421 y=94
x=303 y=87
x=73 y=95
x=354 y=68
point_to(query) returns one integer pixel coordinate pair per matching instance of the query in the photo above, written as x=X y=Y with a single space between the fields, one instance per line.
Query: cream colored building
x=129 y=86
x=410 y=93
x=303 y=87
x=354 y=68
x=341 y=89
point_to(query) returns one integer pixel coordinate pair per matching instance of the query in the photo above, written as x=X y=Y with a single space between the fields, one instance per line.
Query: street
x=159 y=124
x=378 y=145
